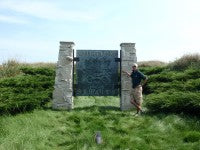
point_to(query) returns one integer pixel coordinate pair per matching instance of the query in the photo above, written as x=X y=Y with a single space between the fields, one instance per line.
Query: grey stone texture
x=128 y=57
x=62 y=94
x=63 y=88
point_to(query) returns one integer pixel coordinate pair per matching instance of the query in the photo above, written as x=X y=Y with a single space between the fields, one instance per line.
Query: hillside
x=171 y=119
x=174 y=88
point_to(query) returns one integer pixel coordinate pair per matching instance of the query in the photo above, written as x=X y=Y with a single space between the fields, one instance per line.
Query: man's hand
x=144 y=83
x=126 y=72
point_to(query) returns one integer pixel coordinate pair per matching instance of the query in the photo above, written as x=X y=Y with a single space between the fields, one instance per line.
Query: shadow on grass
x=93 y=108
x=104 y=109
x=100 y=108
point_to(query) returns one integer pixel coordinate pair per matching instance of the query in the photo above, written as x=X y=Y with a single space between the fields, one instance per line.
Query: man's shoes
x=140 y=112
x=137 y=114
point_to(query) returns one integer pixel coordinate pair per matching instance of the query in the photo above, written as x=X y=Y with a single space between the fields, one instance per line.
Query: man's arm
x=145 y=81
x=128 y=74
x=144 y=78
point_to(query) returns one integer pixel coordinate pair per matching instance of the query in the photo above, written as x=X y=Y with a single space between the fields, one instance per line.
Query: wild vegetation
x=13 y=67
x=24 y=88
x=171 y=120
x=173 y=89
x=153 y=63
x=76 y=129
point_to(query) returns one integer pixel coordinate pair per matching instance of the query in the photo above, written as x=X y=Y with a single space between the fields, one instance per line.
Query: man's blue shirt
x=137 y=77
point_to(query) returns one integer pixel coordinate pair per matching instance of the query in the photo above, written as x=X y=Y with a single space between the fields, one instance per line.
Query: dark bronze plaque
x=97 y=73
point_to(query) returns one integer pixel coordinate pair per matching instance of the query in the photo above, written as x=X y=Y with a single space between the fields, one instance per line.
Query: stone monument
x=63 y=88
x=128 y=57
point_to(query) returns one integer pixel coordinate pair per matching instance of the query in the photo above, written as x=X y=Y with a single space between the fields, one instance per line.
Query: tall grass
x=153 y=63
x=42 y=64
x=187 y=60
x=13 y=67
x=75 y=129
x=10 y=68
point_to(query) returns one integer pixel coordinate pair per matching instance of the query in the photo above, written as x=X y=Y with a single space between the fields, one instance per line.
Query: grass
x=48 y=129
x=186 y=61
x=44 y=128
x=152 y=63
x=13 y=67
x=10 y=68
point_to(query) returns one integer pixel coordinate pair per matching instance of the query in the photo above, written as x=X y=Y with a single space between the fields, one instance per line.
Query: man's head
x=135 y=66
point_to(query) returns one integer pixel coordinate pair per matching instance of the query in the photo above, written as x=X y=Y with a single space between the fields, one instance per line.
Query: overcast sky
x=30 y=30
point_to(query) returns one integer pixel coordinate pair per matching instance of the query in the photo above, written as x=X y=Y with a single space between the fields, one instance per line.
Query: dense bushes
x=192 y=136
x=38 y=71
x=171 y=89
x=153 y=86
x=28 y=91
x=152 y=70
x=173 y=101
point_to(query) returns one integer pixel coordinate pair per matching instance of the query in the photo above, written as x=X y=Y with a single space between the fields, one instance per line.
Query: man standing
x=136 y=90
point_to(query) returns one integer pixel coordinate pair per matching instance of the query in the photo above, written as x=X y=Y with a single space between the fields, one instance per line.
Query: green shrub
x=152 y=70
x=174 y=88
x=26 y=92
x=27 y=81
x=187 y=74
x=159 y=87
x=192 y=85
x=162 y=77
x=21 y=102
x=192 y=136
x=174 y=101
x=193 y=73
x=38 y=71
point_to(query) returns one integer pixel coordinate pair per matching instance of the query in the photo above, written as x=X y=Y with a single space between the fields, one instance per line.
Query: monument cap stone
x=127 y=44
x=67 y=42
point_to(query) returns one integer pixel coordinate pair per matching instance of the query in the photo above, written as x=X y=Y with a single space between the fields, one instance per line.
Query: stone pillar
x=63 y=89
x=128 y=57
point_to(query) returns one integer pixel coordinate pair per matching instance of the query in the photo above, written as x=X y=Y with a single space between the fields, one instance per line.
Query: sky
x=164 y=30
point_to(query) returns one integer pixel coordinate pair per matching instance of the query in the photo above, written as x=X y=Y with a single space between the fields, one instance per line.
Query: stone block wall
x=128 y=57
x=63 y=88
